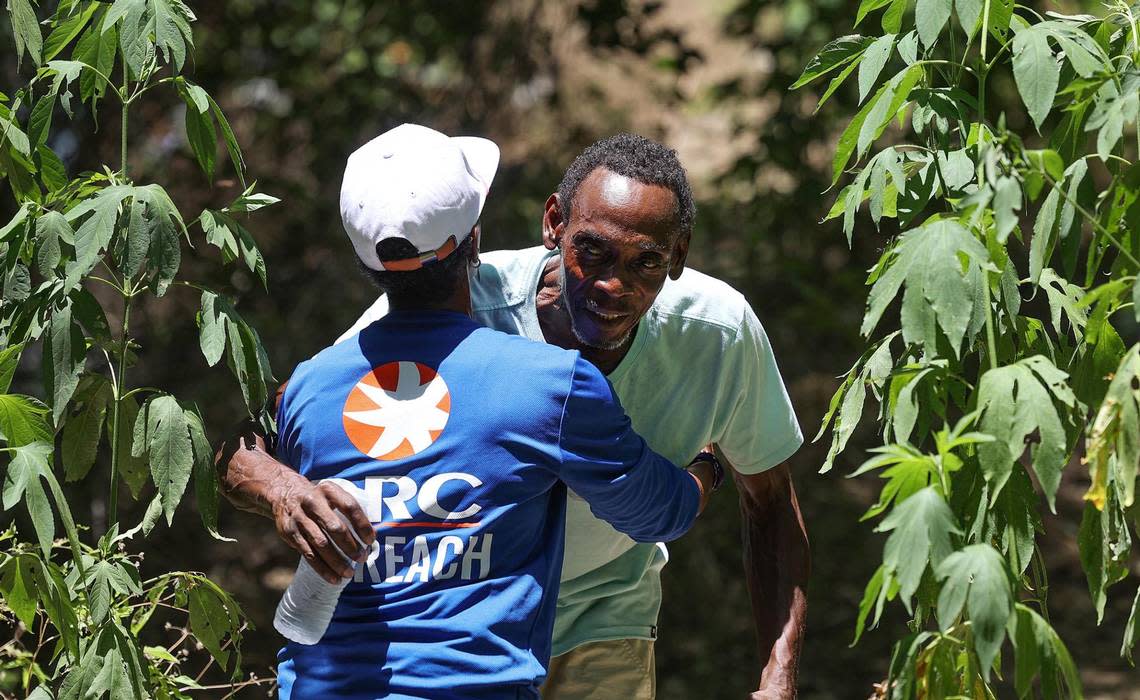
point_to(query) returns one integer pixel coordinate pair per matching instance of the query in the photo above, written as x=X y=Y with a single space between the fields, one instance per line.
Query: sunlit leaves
x=22 y=482
x=23 y=420
x=1026 y=358
x=1036 y=72
x=162 y=434
x=833 y=56
x=976 y=579
x=25 y=30
x=930 y=16
x=922 y=528
x=937 y=295
x=234 y=240
x=1018 y=401
x=874 y=58
x=873 y=118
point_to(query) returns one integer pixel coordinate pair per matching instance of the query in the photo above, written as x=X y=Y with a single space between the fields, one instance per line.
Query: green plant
x=82 y=611
x=1005 y=360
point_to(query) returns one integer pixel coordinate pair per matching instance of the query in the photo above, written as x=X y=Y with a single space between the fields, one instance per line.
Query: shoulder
x=506 y=277
x=697 y=301
x=522 y=353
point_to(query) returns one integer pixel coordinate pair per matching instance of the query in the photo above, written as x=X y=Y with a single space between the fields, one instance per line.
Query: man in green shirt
x=691 y=364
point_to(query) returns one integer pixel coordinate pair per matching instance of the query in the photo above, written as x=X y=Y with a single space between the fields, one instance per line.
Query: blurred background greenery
x=305 y=82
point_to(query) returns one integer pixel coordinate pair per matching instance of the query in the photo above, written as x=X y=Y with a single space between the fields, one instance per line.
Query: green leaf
x=1105 y=545
x=1131 y=629
x=224 y=232
x=976 y=577
x=39 y=121
x=132 y=467
x=969 y=15
x=205 y=477
x=66 y=29
x=96 y=48
x=9 y=360
x=169 y=450
x=1040 y=652
x=26 y=31
x=18 y=584
x=29 y=464
x=82 y=431
x=65 y=352
x=23 y=420
x=250 y=201
x=874 y=58
x=886 y=104
x=10 y=132
x=170 y=31
x=212 y=329
x=1036 y=72
x=908 y=472
x=930 y=16
x=99 y=590
x=1018 y=401
x=892 y=18
x=939 y=286
x=868 y=6
x=873 y=596
x=210 y=620
x=837 y=81
x=164 y=224
x=1041 y=247
x=231 y=141
x=831 y=57
x=97 y=230
x=921 y=528
x=200 y=131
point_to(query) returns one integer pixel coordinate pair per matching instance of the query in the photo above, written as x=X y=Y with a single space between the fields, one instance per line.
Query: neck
x=459 y=301
x=554 y=320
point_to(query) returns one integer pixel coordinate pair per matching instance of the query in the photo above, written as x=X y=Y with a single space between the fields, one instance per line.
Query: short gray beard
x=612 y=345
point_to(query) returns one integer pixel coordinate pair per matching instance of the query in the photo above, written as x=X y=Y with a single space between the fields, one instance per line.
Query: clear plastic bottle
x=307 y=607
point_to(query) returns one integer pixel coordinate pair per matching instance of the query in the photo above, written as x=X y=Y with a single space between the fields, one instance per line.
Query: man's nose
x=612 y=283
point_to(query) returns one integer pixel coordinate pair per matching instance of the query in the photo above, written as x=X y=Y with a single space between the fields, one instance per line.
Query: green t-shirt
x=700 y=370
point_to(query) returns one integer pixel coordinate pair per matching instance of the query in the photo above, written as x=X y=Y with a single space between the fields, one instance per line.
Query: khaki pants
x=621 y=668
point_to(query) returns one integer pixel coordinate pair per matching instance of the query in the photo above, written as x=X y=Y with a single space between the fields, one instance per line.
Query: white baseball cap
x=415 y=183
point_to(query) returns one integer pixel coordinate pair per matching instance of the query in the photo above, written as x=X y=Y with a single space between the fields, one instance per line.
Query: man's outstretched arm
x=777 y=564
x=303 y=512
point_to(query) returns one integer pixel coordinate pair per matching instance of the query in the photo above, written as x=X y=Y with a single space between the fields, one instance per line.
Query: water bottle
x=306 y=609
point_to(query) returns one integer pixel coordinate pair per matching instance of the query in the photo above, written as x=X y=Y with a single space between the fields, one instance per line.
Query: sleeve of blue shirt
x=605 y=462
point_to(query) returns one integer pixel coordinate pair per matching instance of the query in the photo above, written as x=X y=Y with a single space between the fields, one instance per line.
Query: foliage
x=78 y=253
x=1014 y=266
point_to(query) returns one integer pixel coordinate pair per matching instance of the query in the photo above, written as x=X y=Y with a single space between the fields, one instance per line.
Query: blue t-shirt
x=462 y=438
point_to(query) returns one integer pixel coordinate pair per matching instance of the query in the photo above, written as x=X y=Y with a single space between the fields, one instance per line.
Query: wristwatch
x=718 y=469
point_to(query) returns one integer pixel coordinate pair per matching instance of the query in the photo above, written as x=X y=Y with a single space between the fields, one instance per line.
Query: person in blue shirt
x=463 y=440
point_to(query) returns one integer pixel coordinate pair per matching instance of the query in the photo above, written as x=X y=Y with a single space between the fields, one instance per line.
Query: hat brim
x=483 y=157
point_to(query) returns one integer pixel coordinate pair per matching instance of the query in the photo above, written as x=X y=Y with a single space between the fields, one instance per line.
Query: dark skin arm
x=303 y=512
x=777 y=564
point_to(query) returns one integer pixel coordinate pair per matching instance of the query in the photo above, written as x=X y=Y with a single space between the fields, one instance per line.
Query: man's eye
x=651 y=263
x=589 y=249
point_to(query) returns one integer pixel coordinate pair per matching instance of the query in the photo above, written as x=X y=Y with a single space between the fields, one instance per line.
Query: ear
x=552 y=223
x=476 y=240
x=680 y=253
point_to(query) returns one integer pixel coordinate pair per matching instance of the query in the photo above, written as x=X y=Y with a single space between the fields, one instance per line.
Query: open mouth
x=604 y=314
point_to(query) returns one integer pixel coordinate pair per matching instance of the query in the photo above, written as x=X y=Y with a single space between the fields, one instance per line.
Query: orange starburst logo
x=396 y=410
